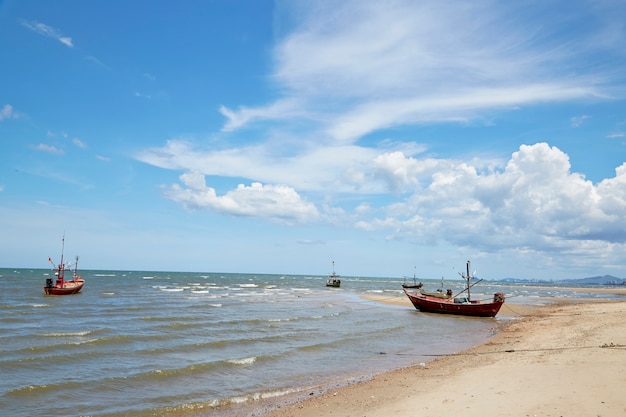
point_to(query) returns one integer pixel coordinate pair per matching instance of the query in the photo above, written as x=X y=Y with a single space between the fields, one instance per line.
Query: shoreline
x=567 y=357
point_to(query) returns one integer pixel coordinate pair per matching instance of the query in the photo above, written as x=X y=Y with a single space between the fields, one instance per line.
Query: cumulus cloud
x=533 y=201
x=277 y=203
x=45 y=30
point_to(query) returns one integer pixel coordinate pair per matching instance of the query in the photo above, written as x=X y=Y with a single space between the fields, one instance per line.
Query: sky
x=391 y=137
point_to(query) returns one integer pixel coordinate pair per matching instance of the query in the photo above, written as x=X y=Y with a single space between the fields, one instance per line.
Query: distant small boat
x=333 y=279
x=62 y=286
x=415 y=285
x=460 y=306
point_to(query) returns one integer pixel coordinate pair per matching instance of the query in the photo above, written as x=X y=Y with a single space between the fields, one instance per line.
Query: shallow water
x=163 y=343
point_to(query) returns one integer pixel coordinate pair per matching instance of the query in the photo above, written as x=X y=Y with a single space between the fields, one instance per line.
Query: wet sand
x=567 y=358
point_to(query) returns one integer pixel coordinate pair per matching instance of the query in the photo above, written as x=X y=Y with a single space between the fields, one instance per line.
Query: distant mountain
x=599 y=280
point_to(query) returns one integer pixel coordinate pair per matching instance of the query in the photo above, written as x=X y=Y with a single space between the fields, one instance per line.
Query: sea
x=135 y=343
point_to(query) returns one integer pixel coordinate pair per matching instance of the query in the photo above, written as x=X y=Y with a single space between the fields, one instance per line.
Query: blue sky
x=276 y=137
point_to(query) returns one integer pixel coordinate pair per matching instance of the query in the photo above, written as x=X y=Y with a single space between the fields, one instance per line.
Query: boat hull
x=68 y=287
x=447 y=306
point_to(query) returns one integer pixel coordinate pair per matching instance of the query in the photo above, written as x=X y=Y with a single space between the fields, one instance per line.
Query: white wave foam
x=243 y=361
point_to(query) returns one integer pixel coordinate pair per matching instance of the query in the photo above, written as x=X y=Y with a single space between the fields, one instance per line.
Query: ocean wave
x=243 y=361
x=63 y=334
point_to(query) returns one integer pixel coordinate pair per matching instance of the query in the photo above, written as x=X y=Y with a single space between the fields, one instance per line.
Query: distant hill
x=599 y=280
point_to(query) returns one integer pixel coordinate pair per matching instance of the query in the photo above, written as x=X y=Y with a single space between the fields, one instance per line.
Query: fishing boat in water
x=333 y=279
x=463 y=306
x=415 y=284
x=61 y=286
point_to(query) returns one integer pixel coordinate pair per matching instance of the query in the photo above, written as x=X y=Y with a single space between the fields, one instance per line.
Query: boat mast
x=76 y=268
x=61 y=265
x=468 y=280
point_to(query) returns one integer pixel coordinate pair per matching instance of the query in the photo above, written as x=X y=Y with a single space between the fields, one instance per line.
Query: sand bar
x=563 y=359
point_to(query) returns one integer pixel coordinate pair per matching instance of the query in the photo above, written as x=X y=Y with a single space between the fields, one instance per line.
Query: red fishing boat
x=463 y=306
x=61 y=286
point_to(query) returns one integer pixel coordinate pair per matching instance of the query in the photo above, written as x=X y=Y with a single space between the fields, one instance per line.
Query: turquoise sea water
x=196 y=344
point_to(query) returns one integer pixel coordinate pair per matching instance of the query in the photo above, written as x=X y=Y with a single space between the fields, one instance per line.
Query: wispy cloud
x=79 y=143
x=96 y=61
x=142 y=95
x=7 y=112
x=377 y=65
x=577 y=121
x=616 y=135
x=49 y=31
x=48 y=148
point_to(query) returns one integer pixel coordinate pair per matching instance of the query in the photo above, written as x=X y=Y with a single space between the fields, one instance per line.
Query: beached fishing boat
x=464 y=306
x=333 y=279
x=61 y=286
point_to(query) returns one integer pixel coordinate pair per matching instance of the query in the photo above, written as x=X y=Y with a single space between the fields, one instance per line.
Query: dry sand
x=565 y=359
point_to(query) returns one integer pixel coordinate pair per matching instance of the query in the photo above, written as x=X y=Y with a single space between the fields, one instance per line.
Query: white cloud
x=531 y=201
x=577 y=121
x=45 y=30
x=79 y=143
x=276 y=203
x=315 y=168
x=7 y=112
x=535 y=201
x=48 y=148
x=376 y=65
x=281 y=109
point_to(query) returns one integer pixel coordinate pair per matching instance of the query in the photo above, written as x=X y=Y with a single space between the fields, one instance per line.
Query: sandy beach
x=567 y=358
